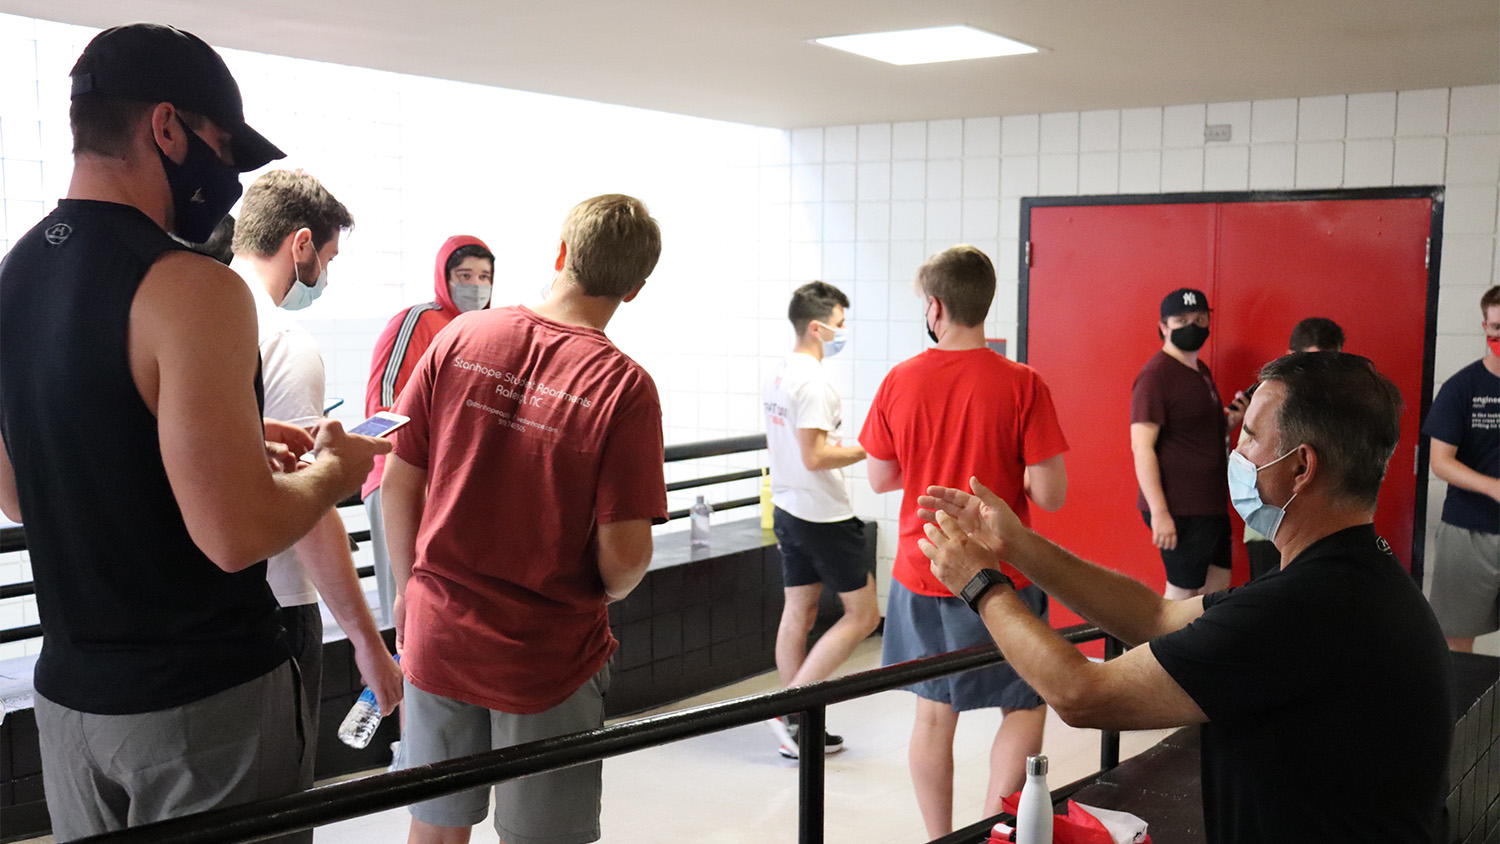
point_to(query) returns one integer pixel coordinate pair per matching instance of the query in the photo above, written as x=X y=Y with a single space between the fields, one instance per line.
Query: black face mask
x=1190 y=338
x=931 y=335
x=204 y=188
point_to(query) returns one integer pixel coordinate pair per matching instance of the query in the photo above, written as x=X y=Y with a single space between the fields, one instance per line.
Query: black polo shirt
x=1327 y=689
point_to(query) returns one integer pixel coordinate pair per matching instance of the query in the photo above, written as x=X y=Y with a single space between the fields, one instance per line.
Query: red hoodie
x=403 y=341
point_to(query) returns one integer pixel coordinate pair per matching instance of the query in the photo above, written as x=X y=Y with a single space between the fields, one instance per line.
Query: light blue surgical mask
x=836 y=345
x=300 y=295
x=1245 y=495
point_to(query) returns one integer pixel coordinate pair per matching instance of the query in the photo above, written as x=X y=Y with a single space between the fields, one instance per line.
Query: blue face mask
x=836 y=345
x=300 y=295
x=1245 y=495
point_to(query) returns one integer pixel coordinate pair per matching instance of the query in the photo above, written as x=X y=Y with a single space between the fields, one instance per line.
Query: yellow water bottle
x=767 y=520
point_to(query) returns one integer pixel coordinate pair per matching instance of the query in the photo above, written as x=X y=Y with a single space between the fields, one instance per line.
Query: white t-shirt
x=292 y=368
x=801 y=396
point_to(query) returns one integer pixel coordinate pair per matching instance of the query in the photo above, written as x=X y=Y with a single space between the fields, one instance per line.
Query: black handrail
x=714 y=448
x=14 y=538
x=381 y=792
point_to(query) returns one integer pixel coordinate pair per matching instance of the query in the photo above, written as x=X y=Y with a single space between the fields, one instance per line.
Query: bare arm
x=325 y=555
x=885 y=475
x=403 y=496
x=1132 y=692
x=624 y=555
x=1446 y=466
x=1047 y=483
x=819 y=454
x=1148 y=474
x=978 y=530
x=193 y=355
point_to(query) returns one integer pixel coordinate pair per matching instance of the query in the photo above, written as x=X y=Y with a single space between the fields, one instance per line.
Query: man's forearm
x=1119 y=604
x=1148 y=475
x=1045 y=660
x=325 y=556
x=836 y=457
x=1457 y=474
x=401 y=501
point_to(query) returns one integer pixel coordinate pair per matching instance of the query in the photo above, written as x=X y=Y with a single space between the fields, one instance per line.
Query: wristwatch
x=980 y=583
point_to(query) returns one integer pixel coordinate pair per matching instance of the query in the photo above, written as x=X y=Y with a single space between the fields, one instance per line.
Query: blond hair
x=612 y=244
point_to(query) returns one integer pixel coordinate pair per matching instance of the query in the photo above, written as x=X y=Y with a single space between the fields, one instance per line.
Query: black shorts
x=1202 y=541
x=831 y=553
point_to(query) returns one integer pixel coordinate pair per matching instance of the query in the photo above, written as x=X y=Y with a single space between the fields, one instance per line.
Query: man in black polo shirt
x=1322 y=687
x=135 y=456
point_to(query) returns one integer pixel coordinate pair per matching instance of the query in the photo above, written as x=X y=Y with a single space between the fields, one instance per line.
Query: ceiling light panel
x=927 y=46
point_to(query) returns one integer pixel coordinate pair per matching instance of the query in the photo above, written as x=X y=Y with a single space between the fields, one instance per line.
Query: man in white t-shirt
x=287 y=234
x=820 y=539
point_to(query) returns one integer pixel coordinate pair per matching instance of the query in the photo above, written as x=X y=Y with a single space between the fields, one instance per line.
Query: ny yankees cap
x=156 y=63
x=1183 y=300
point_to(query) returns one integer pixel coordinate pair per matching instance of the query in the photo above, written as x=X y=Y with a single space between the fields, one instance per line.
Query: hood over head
x=440 y=274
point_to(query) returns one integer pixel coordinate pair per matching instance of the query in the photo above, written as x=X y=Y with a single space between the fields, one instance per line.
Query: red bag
x=1076 y=827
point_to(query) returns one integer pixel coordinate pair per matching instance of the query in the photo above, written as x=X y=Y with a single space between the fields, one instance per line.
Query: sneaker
x=786 y=728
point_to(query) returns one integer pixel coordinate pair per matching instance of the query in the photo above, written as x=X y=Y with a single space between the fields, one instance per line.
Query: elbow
x=230 y=553
x=1078 y=707
x=811 y=464
x=1052 y=500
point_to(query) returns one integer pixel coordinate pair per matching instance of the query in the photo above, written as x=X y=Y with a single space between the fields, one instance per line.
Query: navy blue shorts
x=831 y=553
x=922 y=625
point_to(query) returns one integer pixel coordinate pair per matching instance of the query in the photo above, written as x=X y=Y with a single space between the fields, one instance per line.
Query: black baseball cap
x=1184 y=300
x=156 y=63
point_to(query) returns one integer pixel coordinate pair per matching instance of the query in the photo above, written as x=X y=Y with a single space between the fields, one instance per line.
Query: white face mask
x=300 y=295
x=469 y=297
x=1245 y=495
x=836 y=345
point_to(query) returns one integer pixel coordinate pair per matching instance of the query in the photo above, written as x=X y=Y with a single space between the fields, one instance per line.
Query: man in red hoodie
x=462 y=279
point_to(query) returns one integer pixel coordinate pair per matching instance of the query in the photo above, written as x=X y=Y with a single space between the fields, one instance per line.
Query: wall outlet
x=1217 y=132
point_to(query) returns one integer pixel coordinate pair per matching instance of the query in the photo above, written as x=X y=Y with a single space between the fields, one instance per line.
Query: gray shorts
x=107 y=772
x=917 y=626
x=1466 y=581
x=557 y=807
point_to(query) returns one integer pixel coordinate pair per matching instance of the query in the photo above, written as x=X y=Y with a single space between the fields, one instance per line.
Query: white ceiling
x=750 y=60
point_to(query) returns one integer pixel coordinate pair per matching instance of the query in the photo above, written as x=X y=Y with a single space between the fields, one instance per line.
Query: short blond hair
x=612 y=244
x=963 y=279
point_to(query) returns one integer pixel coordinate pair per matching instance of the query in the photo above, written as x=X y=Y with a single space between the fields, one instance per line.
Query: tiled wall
x=749 y=213
x=863 y=205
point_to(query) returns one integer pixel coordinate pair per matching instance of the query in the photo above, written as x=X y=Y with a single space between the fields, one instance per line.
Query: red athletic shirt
x=532 y=433
x=947 y=416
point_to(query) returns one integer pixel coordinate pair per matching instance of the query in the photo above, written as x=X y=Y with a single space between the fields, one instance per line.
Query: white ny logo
x=1189 y=299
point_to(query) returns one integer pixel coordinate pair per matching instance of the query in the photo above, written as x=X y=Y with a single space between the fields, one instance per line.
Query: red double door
x=1091 y=300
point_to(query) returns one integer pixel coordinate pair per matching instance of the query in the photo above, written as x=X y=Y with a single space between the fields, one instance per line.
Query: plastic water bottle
x=700 y=512
x=1034 y=811
x=362 y=721
x=767 y=509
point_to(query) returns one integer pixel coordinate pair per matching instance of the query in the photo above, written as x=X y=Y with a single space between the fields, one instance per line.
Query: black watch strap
x=982 y=581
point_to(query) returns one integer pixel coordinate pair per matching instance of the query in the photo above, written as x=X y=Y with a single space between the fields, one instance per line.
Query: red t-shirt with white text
x=945 y=417
x=532 y=432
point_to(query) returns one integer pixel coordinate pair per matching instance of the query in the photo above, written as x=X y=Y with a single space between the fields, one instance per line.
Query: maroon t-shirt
x=532 y=433
x=1191 y=449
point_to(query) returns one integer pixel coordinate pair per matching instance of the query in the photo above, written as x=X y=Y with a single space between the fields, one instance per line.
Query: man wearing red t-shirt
x=543 y=443
x=954 y=412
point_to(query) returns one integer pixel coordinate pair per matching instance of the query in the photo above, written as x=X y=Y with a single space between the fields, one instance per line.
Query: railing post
x=1109 y=740
x=810 y=775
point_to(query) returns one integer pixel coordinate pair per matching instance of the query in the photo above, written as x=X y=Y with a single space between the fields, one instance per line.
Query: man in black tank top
x=135 y=457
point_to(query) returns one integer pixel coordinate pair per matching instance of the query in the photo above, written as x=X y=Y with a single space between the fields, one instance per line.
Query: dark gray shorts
x=558 y=807
x=917 y=626
x=107 y=772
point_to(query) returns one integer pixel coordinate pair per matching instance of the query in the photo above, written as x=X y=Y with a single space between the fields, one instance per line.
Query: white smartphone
x=380 y=425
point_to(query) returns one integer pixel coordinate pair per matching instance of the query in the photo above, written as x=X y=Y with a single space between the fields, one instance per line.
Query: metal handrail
x=381 y=792
x=14 y=538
